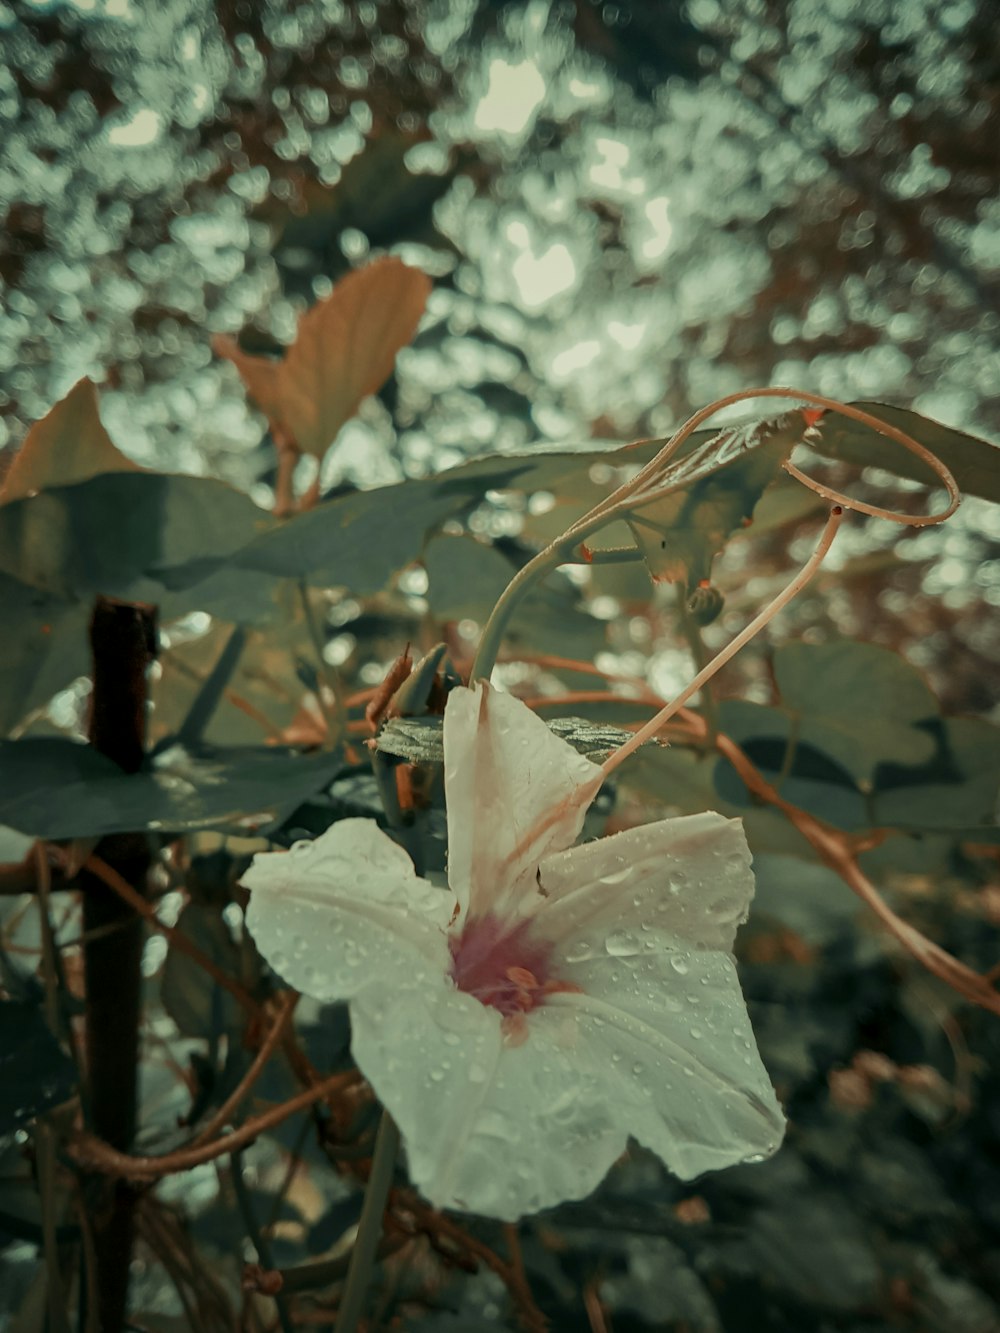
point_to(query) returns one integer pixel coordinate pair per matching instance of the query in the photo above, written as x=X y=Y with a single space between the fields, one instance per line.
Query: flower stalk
x=369 y=1228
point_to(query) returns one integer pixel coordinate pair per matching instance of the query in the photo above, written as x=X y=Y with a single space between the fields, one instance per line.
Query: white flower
x=557 y=999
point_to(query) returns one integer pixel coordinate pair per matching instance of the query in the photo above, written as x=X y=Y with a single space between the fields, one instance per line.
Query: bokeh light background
x=628 y=210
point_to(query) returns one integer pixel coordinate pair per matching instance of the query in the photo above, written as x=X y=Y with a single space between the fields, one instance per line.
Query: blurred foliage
x=626 y=210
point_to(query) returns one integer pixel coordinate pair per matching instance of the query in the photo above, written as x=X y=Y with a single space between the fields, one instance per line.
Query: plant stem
x=96 y=1155
x=369 y=1228
x=257 y=1236
x=731 y=649
x=123 y=642
x=535 y=570
x=45 y=1160
x=692 y=632
x=333 y=722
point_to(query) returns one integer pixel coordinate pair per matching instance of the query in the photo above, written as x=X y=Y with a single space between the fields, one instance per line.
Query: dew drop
x=579 y=951
x=621 y=944
x=679 y=964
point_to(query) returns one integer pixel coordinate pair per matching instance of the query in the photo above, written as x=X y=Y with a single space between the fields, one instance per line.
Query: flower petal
x=678 y=883
x=504 y=772
x=497 y=1129
x=671 y=1034
x=346 y=911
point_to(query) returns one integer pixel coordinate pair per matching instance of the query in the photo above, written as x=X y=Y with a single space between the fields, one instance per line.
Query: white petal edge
x=346 y=911
x=672 y=1038
x=492 y=1129
x=678 y=883
x=504 y=772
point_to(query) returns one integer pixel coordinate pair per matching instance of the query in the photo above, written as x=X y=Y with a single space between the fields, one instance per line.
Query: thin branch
x=835 y=850
x=176 y=938
x=777 y=604
x=94 y=1154
x=333 y=720
x=46 y=1158
x=257 y=1236
x=226 y=1111
x=434 y=1223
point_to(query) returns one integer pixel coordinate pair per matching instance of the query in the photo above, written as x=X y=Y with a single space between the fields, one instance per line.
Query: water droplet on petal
x=621 y=944
x=680 y=964
x=579 y=951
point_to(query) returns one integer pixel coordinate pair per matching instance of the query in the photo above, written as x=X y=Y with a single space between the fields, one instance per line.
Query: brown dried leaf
x=345 y=349
x=69 y=444
x=259 y=375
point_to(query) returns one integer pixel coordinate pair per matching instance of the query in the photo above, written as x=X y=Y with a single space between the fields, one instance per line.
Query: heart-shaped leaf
x=53 y=788
x=69 y=444
x=344 y=349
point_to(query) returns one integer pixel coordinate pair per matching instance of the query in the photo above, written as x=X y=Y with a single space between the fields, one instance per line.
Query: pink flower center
x=504 y=966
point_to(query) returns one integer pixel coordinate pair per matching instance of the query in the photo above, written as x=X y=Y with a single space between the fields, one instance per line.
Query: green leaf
x=974 y=463
x=811 y=780
x=43 y=648
x=69 y=444
x=810 y=899
x=814 y=1248
x=857 y=703
x=58 y=789
x=35 y=1072
x=125 y=534
x=360 y=539
x=677 y=778
x=466 y=578
x=193 y=999
x=713 y=492
x=955 y=791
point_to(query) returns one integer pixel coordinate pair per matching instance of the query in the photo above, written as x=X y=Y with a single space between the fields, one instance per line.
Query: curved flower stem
x=628 y=496
x=369 y=1228
x=731 y=649
x=535 y=570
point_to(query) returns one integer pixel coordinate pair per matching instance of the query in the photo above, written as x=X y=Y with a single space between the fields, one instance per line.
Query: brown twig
x=225 y=1112
x=177 y=939
x=94 y=1154
x=595 y=1308
x=432 y=1223
x=835 y=850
